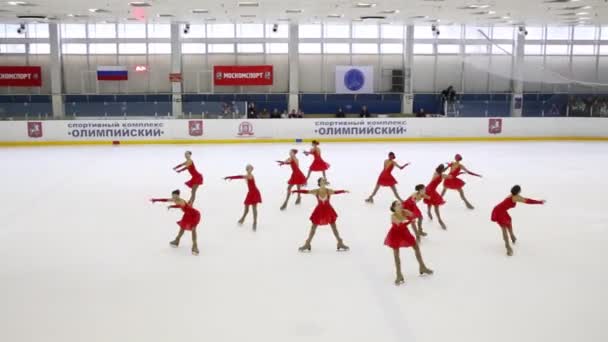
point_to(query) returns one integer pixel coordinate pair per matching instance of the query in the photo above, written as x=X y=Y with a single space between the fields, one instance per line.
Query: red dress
x=190 y=219
x=197 y=178
x=431 y=191
x=454 y=182
x=386 y=176
x=410 y=204
x=500 y=214
x=318 y=164
x=297 y=177
x=400 y=236
x=324 y=213
x=253 y=194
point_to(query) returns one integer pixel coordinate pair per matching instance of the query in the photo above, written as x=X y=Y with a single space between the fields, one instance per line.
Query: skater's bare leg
x=175 y=242
x=341 y=245
x=439 y=218
x=428 y=212
x=289 y=187
x=324 y=176
x=299 y=198
x=370 y=199
x=505 y=237
x=311 y=234
x=443 y=191
x=255 y=216
x=394 y=188
x=308 y=175
x=194 y=243
x=423 y=268
x=511 y=235
x=399 y=276
x=193 y=195
x=422 y=232
x=244 y=214
x=466 y=202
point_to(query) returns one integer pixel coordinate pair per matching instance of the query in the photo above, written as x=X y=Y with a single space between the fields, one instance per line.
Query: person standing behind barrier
x=365 y=112
x=340 y=113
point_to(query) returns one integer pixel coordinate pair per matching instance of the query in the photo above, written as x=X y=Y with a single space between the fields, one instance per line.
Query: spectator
x=365 y=112
x=265 y=114
x=251 y=112
x=275 y=114
x=340 y=113
x=293 y=114
x=300 y=114
x=421 y=113
x=284 y=115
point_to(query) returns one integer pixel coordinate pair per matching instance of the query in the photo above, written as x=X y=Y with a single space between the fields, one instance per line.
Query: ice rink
x=85 y=257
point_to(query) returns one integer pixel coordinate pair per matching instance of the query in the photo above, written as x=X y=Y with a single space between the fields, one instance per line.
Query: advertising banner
x=354 y=79
x=242 y=75
x=20 y=76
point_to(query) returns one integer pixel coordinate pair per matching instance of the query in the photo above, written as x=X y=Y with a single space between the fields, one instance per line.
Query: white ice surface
x=85 y=257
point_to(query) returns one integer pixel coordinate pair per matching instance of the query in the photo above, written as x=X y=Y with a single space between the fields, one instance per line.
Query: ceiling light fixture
x=247 y=15
x=582 y=13
x=74 y=15
x=584 y=18
x=98 y=10
x=365 y=5
x=139 y=4
x=249 y=4
x=200 y=11
x=335 y=15
x=395 y=11
x=18 y=3
x=476 y=6
x=294 y=11
x=164 y=15
x=491 y=12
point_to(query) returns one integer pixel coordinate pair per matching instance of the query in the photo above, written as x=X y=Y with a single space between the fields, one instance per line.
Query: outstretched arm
x=469 y=172
x=281 y=163
x=179 y=165
x=533 y=201
x=337 y=192
x=234 y=177
x=154 y=200
x=402 y=166
x=302 y=191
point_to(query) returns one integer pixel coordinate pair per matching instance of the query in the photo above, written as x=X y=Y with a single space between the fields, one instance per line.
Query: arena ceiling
x=499 y=12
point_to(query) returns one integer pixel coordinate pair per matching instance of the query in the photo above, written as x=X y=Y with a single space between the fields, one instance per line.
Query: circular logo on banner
x=354 y=79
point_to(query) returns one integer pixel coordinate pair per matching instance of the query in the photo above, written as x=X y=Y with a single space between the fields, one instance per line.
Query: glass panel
x=583 y=50
x=365 y=49
x=604 y=50
x=337 y=31
x=604 y=33
x=40 y=49
x=310 y=31
x=476 y=49
x=423 y=49
x=558 y=33
x=102 y=31
x=392 y=31
x=221 y=48
x=584 y=33
x=132 y=49
x=250 y=48
x=498 y=49
x=74 y=49
x=250 y=30
x=38 y=30
x=193 y=48
x=102 y=49
x=535 y=33
x=336 y=48
x=159 y=31
x=73 y=31
x=423 y=32
x=450 y=32
x=448 y=48
x=12 y=48
x=196 y=31
x=477 y=32
x=557 y=49
x=131 y=31
x=391 y=48
x=502 y=32
x=11 y=31
x=220 y=31
x=533 y=49
x=159 y=48
x=282 y=31
x=309 y=48
x=365 y=31
x=277 y=48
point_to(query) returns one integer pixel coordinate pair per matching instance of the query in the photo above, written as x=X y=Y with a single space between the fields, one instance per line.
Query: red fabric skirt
x=319 y=165
x=411 y=206
x=386 y=179
x=253 y=197
x=501 y=217
x=454 y=183
x=195 y=180
x=435 y=198
x=399 y=236
x=323 y=214
x=297 y=178
x=190 y=220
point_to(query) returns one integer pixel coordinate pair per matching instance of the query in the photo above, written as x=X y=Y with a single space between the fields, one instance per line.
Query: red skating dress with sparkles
x=500 y=214
x=297 y=177
x=454 y=182
x=410 y=204
x=400 y=236
x=431 y=191
x=197 y=178
x=318 y=164
x=190 y=219
x=386 y=176
x=324 y=213
x=253 y=195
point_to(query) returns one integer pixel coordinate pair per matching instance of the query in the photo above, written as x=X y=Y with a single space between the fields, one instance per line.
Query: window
x=557 y=49
x=365 y=48
x=102 y=31
x=423 y=49
x=535 y=33
x=310 y=31
x=337 y=31
x=102 y=49
x=305 y=48
x=603 y=49
x=502 y=49
x=159 y=31
x=391 y=48
x=604 y=33
x=277 y=48
x=12 y=48
x=365 y=31
x=448 y=48
x=131 y=31
x=336 y=48
x=250 y=48
x=73 y=31
x=196 y=31
x=501 y=32
x=221 y=48
x=558 y=33
x=193 y=48
x=250 y=30
x=391 y=31
x=476 y=32
x=584 y=33
x=476 y=49
x=533 y=49
x=11 y=31
x=38 y=30
x=583 y=50
x=159 y=48
x=220 y=31
x=282 y=31
x=423 y=32
x=40 y=49
x=132 y=49
x=450 y=32
x=74 y=49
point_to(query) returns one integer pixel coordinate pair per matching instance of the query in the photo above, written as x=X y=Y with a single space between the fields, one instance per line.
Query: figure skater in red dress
x=196 y=179
x=297 y=178
x=189 y=221
x=253 y=197
x=399 y=236
x=410 y=205
x=434 y=199
x=386 y=177
x=455 y=183
x=501 y=216
x=324 y=214
x=318 y=164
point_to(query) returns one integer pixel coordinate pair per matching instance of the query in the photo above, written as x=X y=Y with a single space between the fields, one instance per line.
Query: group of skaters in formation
x=404 y=213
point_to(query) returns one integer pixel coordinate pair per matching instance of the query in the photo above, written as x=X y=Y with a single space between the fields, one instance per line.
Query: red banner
x=20 y=76
x=242 y=75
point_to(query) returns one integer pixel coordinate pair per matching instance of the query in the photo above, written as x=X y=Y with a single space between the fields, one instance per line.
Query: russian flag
x=112 y=73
